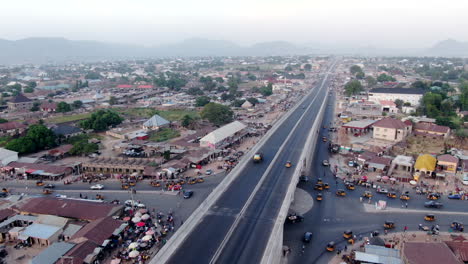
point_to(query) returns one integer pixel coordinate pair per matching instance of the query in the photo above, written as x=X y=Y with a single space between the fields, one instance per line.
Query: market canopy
x=425 y=162
x=222 y=133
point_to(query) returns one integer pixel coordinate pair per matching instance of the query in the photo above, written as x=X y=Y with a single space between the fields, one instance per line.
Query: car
x=324 y=139
x=49 y=186
x=382 y=190
x=209 y=172
x=455 y=196
x=288 y=164
x=294 y=218
x=307 y=237
x=351 y=163
x=304 y=178
x=433 y=204
x=97 y=187
x=325 y=163
x=258 y=157
x=3 y=194
x=188 y=194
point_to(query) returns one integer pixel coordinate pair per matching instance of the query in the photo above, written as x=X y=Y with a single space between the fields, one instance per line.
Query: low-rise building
x=7 y=156
x=224 y=135
x=425 y=129
x=410 y=95
x=428 y=253
x=391 y=129
x=12 y=128
x=425 y=166
x=447 y=163
x=20 y=102
x=155 y=123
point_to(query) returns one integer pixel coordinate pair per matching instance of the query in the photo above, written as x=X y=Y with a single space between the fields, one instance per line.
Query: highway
x=328 y=219
x=237 y=227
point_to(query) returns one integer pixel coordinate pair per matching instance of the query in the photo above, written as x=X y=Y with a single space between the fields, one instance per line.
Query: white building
x=155 y=123
x=7 y=156
x=410 y=95
x=217 y=138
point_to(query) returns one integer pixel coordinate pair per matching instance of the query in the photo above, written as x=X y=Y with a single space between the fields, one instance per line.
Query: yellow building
x=425 y=165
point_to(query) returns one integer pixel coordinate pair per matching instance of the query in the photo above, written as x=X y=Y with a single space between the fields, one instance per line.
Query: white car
x=97 y=187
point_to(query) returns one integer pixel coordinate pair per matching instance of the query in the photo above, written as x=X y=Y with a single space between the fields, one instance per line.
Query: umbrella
x=378 y=177
x=134 y=254
x=364 y=178
x=143 y=211
x=133 y=245
x=385 y=178
x=140 y=224
x=392 y=179
x=147 y=238
x=141 y=205
x=136 y=219
x=150 y=232
x=126 y=218
x=413 y=182
x=145 y=217
x=138 y=214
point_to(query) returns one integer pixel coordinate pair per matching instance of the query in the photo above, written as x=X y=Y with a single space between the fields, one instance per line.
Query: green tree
x=37 y=138
x=28 y=89
x=187 y=121
x=464 y=96
x=420 y=85
x=355 y=69
x=77 y=104
x=101 y=120
x=202 y=101
x=32 y=84
x=353 y=87
x=252 y=100
x=267 y=90
x=21 y=145
x=219 y=79
x=3 y=120
x=446 y=121
x=238 y=102
x=113 y=100
x=35 y=107
x=399 y=103
x=385 y=78
x=360 y=75
x=92 y=76
x=371 y=81
x=217 y=114
x=288 y=68
x=63 y=107
x=194 y=91
x=307 y=67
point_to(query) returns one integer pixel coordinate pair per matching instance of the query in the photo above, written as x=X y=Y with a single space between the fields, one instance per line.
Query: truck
x=258 y=157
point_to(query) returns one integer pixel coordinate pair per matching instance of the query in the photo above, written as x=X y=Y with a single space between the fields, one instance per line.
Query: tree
x=92 y=76
x=3 y=120
x=385 y=78
x=353 y=87
x=202 y=101
x=101 y=120
x=113 y=100
x=288 y=68
x=464 y=96
x=28 y=89
x=77 y=104
x=217 y=114
x=446 y=121
x=371 y=81
x=407 y=104
x=32 y=84
x=194 y=91
x=360 y=75
x=420 y=85
x=238 y=102
x=399 y=103
x=307 y=67
x=219 y=79
x=252 y=100
x=187 y=121
x=267 y=90
x=63 y=107
x=252 y=77
x=35 y=107
x=38 y=137
x=355 y=69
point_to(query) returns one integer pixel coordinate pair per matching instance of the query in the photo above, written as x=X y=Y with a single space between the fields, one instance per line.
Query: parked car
x=433 y=204
x=307 y=237
x=325 y=163
x=97 y=187
x=209 y=172
x=304 y=178
x=188 y=194
x=455 y=196
x=49 y=186
x=382 y=190
x=294 y=218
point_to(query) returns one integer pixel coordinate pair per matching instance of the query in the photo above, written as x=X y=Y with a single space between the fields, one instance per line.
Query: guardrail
x=273 y=251
x=179 y=237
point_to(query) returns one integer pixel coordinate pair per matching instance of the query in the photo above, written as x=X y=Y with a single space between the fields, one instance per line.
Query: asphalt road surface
x=328 y=219
x=222 y=236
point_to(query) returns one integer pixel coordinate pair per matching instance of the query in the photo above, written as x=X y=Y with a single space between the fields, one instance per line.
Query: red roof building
x=145 y=87
x=428 y=253
x=431 y=130
x=125 y=86
x=391 y=129
x=12 y=128
x=49 y=107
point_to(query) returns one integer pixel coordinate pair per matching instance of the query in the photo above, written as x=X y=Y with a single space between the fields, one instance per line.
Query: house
x=247 y=104
x=391 y=129
x=223 y=136
x=12 y=129
x=426 y=129
x=407 y=95
x=388 y=106
x=377 y=163
x=7 y=156
x=425 y=166
x=428 y=253
x=48 y=107
x=155 y=123
x=53 y=253
x=20 y=102
x=66 y=131
x=447 y=163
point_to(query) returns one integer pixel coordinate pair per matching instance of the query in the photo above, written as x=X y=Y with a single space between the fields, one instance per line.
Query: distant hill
x=43 y=50
x=449 y=48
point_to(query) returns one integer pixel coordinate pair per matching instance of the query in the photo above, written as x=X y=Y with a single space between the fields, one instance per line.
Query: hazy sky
x=384 y=23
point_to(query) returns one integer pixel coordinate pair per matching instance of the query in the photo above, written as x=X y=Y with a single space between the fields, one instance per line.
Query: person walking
x=406 y=228
x=406 y=205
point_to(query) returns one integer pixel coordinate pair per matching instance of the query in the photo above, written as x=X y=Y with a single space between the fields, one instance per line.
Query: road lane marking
x=265 y=174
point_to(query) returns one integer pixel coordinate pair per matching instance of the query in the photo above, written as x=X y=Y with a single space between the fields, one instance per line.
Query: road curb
x=178 y=238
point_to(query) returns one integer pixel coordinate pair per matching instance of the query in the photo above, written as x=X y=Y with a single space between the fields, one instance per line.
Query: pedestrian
x=406 y=205
x=360 y=199
x=81 y=196
x=345 y=248
x=406 y=228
